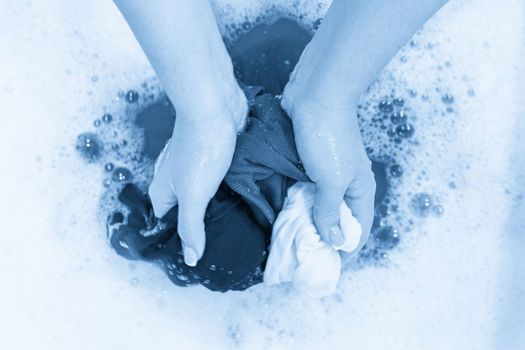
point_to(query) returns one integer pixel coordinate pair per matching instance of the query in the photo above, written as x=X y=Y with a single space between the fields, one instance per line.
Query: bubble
x=107 y=118
x=438 y=210
x=398 y=102
x=386 y=237
x=89 y=146
x=382 y=211
x=108 y=166
x=447 y=99
x=398 y=118
x=385 y=106
x=405 y=130
x=213 y=267
x=121 y=174
x=132 y=96
x=96 y=123
x=317 y=23
x=396 y=170
x=422 y=204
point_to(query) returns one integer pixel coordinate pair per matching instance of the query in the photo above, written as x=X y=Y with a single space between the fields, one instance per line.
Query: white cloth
x=297 y=252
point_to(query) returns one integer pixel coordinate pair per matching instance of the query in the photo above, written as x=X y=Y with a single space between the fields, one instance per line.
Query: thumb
x=327 y=213
x=191 y=229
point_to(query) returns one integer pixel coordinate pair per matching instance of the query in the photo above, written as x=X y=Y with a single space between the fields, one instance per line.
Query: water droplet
x=89 y=146
x=213 y=267
x=97 y=123
x=422 y=204
x=121 y=175
x=108 y=166
x=405 y=130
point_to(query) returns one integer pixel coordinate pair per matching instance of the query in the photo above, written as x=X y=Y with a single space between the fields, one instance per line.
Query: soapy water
x=444 y=213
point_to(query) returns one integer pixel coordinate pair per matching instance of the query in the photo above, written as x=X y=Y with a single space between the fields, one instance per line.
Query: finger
x=162 y=196
x=327 y=213
x=191 y=229
x=360 y=199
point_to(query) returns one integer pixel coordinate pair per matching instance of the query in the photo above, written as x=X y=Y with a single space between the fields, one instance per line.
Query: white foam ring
x=442 y=287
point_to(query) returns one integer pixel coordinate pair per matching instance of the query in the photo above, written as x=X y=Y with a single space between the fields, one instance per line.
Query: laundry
x=240 y=217
x=297 y=252
x=236 y=247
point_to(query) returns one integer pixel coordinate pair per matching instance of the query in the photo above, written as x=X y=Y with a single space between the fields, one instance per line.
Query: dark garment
x=236 y=247
x=240 y=216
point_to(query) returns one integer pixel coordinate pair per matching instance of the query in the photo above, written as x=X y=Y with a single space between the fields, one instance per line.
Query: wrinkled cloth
x=297 y=253
x=240 y=216
x=265 y=162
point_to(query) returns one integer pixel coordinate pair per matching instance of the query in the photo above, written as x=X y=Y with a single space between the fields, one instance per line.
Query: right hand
x=329 y=143
x=191 y=167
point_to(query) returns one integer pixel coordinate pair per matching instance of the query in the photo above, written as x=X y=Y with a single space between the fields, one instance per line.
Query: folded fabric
x=297 y=253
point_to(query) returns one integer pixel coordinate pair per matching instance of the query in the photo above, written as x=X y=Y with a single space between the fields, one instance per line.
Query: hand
x=331 y=148
x=191 y=167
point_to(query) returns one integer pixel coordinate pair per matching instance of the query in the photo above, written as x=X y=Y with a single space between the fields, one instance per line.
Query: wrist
x=211 y=106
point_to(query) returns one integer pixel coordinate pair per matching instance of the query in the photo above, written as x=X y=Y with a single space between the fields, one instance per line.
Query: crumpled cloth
x=297 y=253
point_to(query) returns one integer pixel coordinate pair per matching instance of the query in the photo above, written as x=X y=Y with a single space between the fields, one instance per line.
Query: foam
x=442 y=286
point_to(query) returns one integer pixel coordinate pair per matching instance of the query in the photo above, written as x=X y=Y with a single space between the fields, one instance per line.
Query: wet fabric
x=236 y=247
x=297 y=253
x=239 y=217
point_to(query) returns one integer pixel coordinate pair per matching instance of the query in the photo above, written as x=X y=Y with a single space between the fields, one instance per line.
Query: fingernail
x=190 y=257
x=336 y=236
